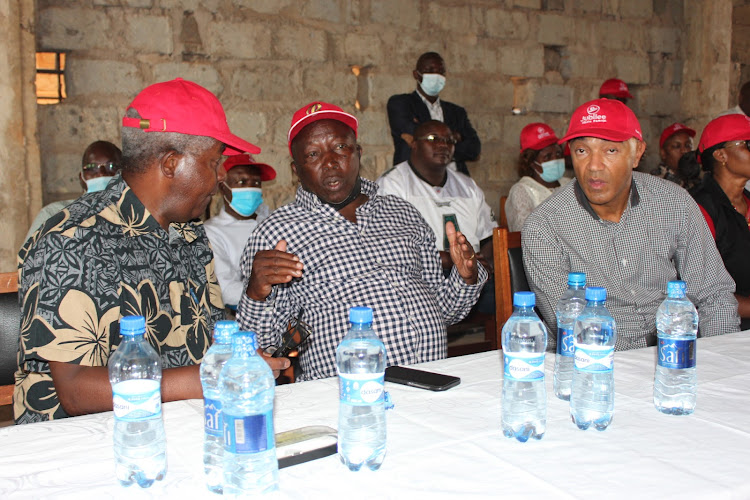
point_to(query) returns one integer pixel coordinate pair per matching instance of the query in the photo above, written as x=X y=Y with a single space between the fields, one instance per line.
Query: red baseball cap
x=614 y=87
x=537 y=136
x=267 y=172
x=187 y=108
x=318 y=110
x=725 y=128
x=672 y=130
x=606 y=119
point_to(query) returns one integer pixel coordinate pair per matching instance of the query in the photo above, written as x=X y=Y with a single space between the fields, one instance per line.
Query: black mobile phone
x=420 y=378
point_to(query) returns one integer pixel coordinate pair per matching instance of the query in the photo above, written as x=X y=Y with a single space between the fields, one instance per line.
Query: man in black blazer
x=406 y=111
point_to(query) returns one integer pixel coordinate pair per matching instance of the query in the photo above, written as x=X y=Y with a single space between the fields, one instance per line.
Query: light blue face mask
x=245 y=201
x=432 y=83
x=96 y=184
x=552 y=170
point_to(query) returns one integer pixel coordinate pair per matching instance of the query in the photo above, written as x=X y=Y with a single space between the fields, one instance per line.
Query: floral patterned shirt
x=101 y=258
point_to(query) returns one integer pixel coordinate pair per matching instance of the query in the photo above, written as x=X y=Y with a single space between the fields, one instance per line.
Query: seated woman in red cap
x=725 y=154
x=541 y=167
x=675 y=141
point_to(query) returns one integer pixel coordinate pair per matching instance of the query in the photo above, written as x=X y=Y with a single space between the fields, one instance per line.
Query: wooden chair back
x=510 y=276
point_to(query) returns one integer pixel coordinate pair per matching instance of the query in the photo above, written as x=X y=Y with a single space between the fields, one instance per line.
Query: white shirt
x=228 y=237
x=524 y=196
x=459 y=197
x=435 y=108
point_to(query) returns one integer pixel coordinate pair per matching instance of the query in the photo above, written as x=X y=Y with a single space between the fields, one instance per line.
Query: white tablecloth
x=445 y=445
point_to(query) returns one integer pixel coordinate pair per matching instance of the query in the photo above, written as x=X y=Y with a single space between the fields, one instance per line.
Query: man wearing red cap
x=229 y=230
x=134 y=248
x=629 y=232
x=616 y=89
x=339 y=245
x=675 y=141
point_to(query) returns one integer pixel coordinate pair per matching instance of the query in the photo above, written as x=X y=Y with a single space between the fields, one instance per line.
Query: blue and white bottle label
x=136 y=399
x=361 y=389
x=595 y=359
x=566 y=342
x=212 y=413
x=676 y=354
x=526 y=366
x=249 y=433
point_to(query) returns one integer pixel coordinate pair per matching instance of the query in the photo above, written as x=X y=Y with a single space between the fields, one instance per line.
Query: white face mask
x=432 y=83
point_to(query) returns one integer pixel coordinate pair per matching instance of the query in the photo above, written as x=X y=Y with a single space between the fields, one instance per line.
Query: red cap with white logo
x=616 y=88
x=537 y=136
x=318 y=110
x=605 y=119
x=672 y=130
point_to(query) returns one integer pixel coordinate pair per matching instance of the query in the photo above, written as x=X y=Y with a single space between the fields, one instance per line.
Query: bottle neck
x=676 y=296
x=524 y=309
x=131 y=337
x=594 y=303
x=361 y=326
x=575 y=286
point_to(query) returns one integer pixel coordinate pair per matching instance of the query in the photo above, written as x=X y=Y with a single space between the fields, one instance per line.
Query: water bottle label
x=248 y=434
x=361 y=389
x=594 y=358
x=566 y=343
x=676 y=354
x=524 y=366
x=212 y=413
x=136 y=399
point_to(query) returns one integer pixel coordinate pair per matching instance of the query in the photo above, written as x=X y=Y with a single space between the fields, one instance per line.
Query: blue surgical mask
x=96 y=184
x=245 y=201
x=432 y=83
x=552 y=170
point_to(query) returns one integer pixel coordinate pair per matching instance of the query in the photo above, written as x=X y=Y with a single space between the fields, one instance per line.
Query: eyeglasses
x=737 y=143
x=448 y=141
x=110 y=168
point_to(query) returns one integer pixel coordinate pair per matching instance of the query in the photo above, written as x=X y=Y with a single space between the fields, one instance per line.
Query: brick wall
x=266 y=58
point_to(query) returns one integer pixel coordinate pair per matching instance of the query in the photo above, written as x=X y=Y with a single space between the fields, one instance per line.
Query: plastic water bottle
x=140 y=445
x=247 y=387
x=524 y=407
x=213 y=438
x=360 y=360
x=569 y=307
x=592 y=395
x=677 y=327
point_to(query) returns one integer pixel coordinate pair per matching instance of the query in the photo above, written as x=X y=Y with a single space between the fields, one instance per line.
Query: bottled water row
x=238 y=386
x=239 y=454
x=584 y=360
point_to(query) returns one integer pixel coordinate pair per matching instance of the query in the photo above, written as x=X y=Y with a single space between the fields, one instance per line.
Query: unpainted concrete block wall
x=266 y=58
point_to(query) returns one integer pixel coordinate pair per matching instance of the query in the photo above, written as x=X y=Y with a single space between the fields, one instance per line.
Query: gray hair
x=140 y=148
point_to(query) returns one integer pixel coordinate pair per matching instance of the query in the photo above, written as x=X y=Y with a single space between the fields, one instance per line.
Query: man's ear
x=640 y=148
x=169 y=163
x=662 y=154
x=294 y=167
x=83 y=182
x=416 y=76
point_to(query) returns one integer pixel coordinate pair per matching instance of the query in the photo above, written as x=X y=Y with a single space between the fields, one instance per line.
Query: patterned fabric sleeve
x=268 y=318
x=547 y=269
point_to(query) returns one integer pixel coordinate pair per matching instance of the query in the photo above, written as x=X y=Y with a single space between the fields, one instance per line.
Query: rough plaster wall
x=20 y=189
x=266 y=58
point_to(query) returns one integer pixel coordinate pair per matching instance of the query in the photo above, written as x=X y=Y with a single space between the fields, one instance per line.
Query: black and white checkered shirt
x=387 y=261
x=661 y=236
